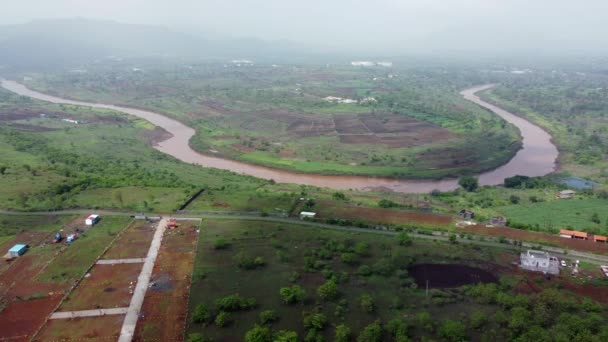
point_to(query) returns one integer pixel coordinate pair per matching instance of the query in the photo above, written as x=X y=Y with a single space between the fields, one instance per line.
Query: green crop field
x=560 y=214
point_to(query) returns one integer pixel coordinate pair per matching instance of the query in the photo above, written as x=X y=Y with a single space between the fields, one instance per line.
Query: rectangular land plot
x=102 y=328
x=165 y=308
x=108 y=286
x=132 y=243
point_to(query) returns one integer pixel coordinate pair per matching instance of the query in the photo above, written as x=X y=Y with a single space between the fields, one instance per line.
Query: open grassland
x=273 y=280
x=402 y=122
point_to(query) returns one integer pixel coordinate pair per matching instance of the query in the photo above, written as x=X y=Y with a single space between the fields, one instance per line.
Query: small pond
x=449 y=275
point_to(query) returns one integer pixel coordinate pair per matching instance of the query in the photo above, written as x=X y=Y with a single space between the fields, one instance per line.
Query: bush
x=316 y=321
x=425 y=321
x=453 y=331
x=342 y=333
x=258 y=334
x=268 y=316
x=404 y=239
x=349 y=258
x=366 y=303
x=514 y=199
x=339 y=196
x=371 y=333
x=293 y=294
x=361 y=248
x=364 y=270
x=469 y=183
x=222 y=319
x=235 y=303
x=201 y=314
x=328 y=291
x=285 y=336
x=195 y=337
x=247 y=262
x=221 y=244
x=384 y=203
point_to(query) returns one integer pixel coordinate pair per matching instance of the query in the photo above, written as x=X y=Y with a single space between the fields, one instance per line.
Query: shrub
x=404 y=239
x=366 y=303
x=339 y=196
x=397 y=328
x=258 y=334
x=247 y=262
x=361 y=248
x=235 y=303
x=469 y=183
x=268 y=316
x=293 y=294
x=195 y=337
x=315 y=320
x=364 y=270
x=349 y=258
x=425 y=321
x=342 y=333
x=222 y=319
x=384 y=203
x=221 y=244
x=201 y=314
x=514 y=199
x=371 y=333
x=453 y=331
x=328 y=291
x=285 y=336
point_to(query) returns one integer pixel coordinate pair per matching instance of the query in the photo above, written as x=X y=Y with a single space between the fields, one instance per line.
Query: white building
x=362 y=63
x=539 y=261
x=307 y=214
x=385 y=64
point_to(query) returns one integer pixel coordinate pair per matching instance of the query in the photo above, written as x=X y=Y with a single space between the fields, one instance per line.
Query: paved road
x=88 y=313
x=120 y=261
x=137 y=300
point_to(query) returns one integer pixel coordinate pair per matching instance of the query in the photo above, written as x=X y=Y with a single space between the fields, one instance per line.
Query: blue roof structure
x=17 y=248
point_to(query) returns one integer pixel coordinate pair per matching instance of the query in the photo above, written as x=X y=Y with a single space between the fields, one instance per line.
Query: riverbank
x=536 y=158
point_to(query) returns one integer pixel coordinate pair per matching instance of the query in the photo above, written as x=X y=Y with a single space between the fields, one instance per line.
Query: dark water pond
x=449 y=275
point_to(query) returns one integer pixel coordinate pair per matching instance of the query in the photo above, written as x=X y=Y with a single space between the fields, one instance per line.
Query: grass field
x=560 y=214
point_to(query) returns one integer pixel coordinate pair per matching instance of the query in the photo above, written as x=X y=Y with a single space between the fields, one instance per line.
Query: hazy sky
x=372 y=23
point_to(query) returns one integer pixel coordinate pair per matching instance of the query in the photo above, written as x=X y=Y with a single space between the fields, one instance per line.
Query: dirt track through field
x=536 y=158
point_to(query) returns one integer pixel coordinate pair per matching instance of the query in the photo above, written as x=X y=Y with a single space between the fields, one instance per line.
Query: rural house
x=566 y=194
x=600 y=238
x=467 y=214
x=539 y=261
x=307 y=215
x=573 y=234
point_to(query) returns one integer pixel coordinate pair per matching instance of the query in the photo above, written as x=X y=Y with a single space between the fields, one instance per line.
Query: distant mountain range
x=62 y=41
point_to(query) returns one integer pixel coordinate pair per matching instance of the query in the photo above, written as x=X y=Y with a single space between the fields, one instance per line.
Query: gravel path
x=88 y=313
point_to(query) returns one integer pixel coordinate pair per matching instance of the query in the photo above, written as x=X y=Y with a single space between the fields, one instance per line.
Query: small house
x=17 y=250
x=539 y=261
x=498 y=221
x=566 y=194
x=171 y=224
x=573 y=234
x=92 y=219
x=307 y=215
x=600 y=238
x=467 y=214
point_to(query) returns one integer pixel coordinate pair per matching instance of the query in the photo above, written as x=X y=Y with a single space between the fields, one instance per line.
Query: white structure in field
x=362 y=63
x=307 y=214
x=539 y=261
x=385 y=64
x=91 y=220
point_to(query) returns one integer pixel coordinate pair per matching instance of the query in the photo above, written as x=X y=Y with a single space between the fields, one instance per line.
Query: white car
x=564 y=263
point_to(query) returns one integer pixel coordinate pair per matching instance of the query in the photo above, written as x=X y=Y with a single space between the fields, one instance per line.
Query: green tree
x=339 y=196
x=453 y=331
x=268 y=316
x=349 y=258
x=222 y=319
x=469 y=183
x=366 y=303
x=195 y=337
x=371 y=333
x=397 y=327
x=201 y=314
x=293 y=294
x=404 y=239
x=258 y=334
x=328 y=290
x=285 y=336
x=514 y=199
x=595 y=218
x=2 y=170
x=342 y=333
x=315 y=320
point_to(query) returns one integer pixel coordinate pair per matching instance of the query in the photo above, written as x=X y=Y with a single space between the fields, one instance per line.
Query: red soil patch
x=287 y=153
x=133 y=243
x=165 y=307
x=381 y=215
x=349 y=124
x=242 y=148
x=220 y=205
x=449 y=275
x=517 y=234
x=222 y=137
x=103 y=328
x=107 y=287
x=20 y=319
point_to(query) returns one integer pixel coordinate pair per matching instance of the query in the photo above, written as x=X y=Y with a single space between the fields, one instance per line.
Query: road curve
x=536 y=158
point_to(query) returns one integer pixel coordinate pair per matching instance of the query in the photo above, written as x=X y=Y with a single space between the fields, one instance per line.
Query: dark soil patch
x=220 y=205
x=242 y=148
x=161 y=283
x=31 y=128
x=449 y=275
x=153 y=137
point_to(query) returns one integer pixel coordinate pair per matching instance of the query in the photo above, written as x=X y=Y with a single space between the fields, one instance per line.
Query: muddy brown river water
x=536 y=158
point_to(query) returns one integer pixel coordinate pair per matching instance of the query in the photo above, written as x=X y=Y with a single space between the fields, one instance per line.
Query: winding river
x=536 y=158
